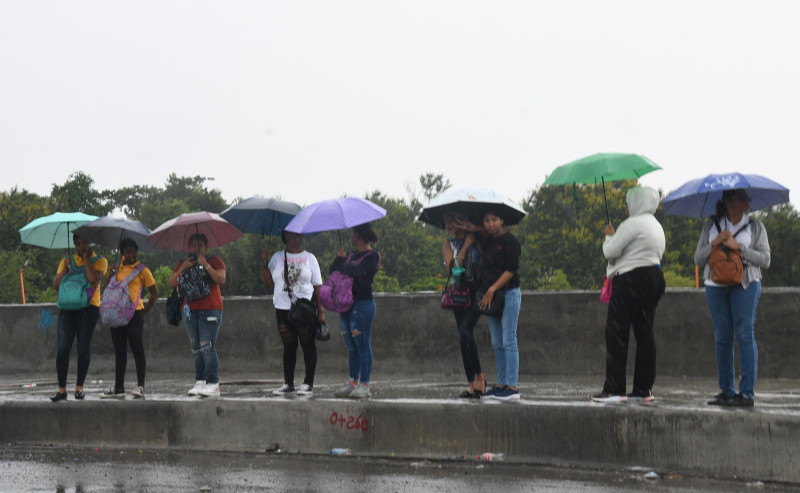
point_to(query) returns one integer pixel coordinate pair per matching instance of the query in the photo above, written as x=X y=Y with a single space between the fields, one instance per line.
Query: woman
x=733 y=306
x=294 y=274
x=500 y=277
x=356 y=323
x=131 y=334
x=203 y=316
x=461 y=249
x=79 y=322
x=634 y=257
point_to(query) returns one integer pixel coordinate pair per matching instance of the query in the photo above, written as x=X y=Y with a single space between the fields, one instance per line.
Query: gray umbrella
x=109 y=231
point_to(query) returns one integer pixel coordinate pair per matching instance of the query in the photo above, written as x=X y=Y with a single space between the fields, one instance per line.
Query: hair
x=497 y=212
x=75 y=237
x=128 y=243
x=366 y=233
x=722 y=208
x=199 y=236
x=454 y=215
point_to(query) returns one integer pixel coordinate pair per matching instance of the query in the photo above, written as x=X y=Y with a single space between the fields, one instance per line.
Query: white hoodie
x=639 y=241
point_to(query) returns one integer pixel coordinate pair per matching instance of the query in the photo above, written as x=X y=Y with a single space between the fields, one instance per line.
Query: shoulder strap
x=286 y=286
x=716 y=223
x=741 y=229
x=365 y=256
x=135 y=272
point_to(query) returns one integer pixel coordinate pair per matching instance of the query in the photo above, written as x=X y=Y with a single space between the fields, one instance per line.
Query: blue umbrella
x=55 y=230
x=264 y=216
x=698 y=198
x=109 y=231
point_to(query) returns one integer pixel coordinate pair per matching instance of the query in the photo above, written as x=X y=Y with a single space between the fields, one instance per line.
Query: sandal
x=469 y=395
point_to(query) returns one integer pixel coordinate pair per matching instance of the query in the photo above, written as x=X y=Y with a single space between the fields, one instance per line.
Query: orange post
x=22 y=285
x=696 y=277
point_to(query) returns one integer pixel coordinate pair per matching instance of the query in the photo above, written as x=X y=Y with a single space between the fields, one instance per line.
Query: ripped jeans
x=356 y=325
x=203 y=328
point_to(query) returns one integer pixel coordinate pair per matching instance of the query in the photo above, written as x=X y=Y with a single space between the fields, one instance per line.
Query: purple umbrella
x=330 y=215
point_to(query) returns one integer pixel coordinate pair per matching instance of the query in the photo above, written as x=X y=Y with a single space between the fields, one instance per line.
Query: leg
x=135 y=334
x=289 y=339
x=210 y=321
x=120 y=340
x=509 y=324
x=466 y=321
x=743 y=308
x=306 y=336
x=496 y=331
x=361 y=316
x=719 y=305
x=352 y=350
x=193 y=331
x=652 y=288
x=67 y=329
x=85 y=332
x=618 y=322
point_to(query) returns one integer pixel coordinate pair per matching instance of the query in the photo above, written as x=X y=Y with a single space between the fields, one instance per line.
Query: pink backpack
x=336 y=293
x=116 y=307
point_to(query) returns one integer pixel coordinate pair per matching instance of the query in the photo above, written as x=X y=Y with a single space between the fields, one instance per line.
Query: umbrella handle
x=605 y=199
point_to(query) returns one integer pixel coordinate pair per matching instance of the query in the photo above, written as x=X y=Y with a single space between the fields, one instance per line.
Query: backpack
x=725 y=264
x=336 y=293
x=116 y=306
x=75 y=292
x=194 y=283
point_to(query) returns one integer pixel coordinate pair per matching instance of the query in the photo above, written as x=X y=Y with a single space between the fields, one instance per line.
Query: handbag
x=303 y=312
x=194 y=283
x=173 y=308
x=605 y=291
x=456 y=295
x=495 y=308
x=323 y=332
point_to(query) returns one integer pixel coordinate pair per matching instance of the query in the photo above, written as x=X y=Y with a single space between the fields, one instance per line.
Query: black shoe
x=469 y=395
x=79 y=395
x=740 y=401
x=58 y=396
x=721 y=399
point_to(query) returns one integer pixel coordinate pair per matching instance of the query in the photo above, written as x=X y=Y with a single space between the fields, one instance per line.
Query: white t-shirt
x=303 y=275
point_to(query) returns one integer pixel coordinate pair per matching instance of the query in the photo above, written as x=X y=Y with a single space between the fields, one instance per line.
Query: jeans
x=122 y=337
x=356 y=325
x=291 y=336
x=72 y=323
x=733 y=312
x=203 y=328
x=466 y=320
x=504 y=339
x=634 y=299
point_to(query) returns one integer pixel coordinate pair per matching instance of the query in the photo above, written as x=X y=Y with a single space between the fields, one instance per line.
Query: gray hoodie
x=639 y=241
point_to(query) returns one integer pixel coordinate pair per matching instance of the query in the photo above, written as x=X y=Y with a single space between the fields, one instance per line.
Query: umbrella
x=261 y=216
x=329 y=215
x=600 y=168
x=698 y=198
x=55 y=230
x=175 y=233
x=109 y=231
x=474 y=203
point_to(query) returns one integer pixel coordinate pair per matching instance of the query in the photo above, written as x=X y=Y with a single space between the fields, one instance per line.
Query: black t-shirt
x=500 y=254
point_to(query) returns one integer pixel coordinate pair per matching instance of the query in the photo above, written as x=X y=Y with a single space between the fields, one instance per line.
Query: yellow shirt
x=145 y=277
x=100 y=265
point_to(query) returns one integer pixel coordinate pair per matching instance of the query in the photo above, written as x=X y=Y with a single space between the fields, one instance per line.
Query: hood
x=642 y=200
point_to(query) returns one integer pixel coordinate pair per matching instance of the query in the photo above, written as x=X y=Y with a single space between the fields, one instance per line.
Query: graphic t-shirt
x=303 y=274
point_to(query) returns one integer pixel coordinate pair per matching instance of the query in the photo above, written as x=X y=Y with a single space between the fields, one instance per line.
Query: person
x=500 y=277
x=131 y=334
x=203 y=316
x=634 y=254
x=356 y=323
x=294 y=274
x=733 y=307
x=462 y=250
x=78 y=323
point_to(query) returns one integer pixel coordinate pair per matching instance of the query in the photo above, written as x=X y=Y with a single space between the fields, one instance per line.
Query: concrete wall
x=560 y=333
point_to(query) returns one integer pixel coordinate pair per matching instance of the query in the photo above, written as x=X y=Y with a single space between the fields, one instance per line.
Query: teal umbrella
x=55 y=230
x=600 y=168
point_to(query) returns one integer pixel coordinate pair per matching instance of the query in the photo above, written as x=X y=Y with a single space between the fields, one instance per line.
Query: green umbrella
x=600 y=168
x=55 y=230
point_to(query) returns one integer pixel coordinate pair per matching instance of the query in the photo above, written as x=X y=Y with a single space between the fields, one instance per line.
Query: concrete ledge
x=728 y=444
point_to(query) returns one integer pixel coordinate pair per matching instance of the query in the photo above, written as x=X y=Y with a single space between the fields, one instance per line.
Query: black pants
x=291 y=336
x=466 y=320
x=72 y=324
x=122 y=337
x=634 y=299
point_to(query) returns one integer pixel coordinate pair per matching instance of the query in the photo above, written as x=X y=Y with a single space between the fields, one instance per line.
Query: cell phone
x=193 y=256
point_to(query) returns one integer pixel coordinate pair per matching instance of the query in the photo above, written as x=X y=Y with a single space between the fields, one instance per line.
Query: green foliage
x=384 y=283
x=78 y=194
x=552 y=280
x=676 y=280
x=162 y=274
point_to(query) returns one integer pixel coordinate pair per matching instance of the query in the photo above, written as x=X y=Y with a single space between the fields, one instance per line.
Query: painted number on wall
x=348 y=421
x=47 y=321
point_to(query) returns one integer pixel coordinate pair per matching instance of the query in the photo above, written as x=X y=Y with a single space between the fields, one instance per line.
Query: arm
x=616 y=241
x=112 y=270
x=218 y=275
x=447 y=253
x=173 y=279
x=153 y=297
x=703 y=249
x=367 y=267
x=266 y=275
x=320 y=308
x=92 y=275
x=63 y=268
x=758 y=253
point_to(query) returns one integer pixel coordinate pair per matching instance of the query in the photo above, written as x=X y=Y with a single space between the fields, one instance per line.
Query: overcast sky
x=310 y=100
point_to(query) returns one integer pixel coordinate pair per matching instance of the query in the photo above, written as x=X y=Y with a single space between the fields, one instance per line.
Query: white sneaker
x=305 y=389
x=138 y=391
x=210 y=390
x=284 y=389
x=345 y=391
x=360 y=392
x=198 y=386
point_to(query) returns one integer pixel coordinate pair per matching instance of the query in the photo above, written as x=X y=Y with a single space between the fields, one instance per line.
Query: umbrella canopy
x=175 y=233
x=698 y=198
x=265 y=216
x=474 y=203
x=330 y=215
x=109 y=231
x=55 y=230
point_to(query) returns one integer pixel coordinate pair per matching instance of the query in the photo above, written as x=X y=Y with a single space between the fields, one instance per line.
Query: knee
x=206 y=347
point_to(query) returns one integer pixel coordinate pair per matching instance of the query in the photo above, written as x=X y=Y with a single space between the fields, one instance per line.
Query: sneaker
x=641 y=395
x=305 y=389
x=361 y=391
x=506 y=394
x=285 y=389
x=739 y=400
x=345 y=391
x=605 y=397
x=138 y=391
x=489 y=394
x=198 y=386
x=210 y=390
x=721 y=399
x=113 y=394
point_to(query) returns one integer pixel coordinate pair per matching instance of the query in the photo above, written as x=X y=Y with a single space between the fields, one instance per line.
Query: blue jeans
x=356 y=325
x=733 y=311
x=203 y=328
x=72 y=324
x=504 y=339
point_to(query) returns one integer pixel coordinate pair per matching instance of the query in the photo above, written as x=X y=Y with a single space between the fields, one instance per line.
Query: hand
x=201 y=259
x=340 y=252
x=486 y=301
x=265 y=255
x=609 y=229
x=465 y=225
x=722 y=237
x=321 y=315
x=731 y=243
x=87 y=254
x=187 y=264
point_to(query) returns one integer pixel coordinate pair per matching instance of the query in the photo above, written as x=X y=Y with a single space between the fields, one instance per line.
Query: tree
x=78 y=194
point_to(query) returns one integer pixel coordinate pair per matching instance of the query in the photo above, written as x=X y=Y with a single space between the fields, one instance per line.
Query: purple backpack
x=336 y=293
x=116 y=306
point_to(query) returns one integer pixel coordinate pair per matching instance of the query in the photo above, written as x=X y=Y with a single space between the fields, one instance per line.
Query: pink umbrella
x=175 y=233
